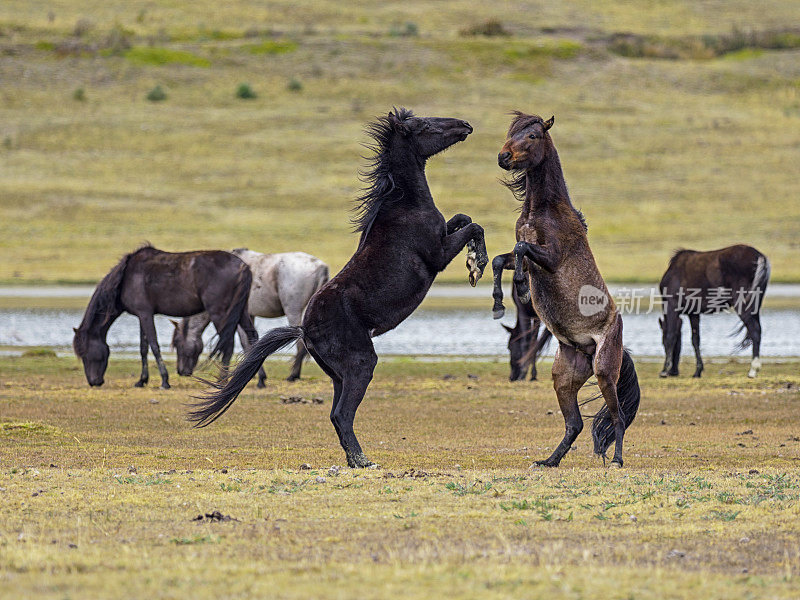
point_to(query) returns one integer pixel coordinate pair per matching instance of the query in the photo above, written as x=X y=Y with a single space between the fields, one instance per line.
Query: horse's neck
x=410 y=181
x=545 y=187
x=102 y=322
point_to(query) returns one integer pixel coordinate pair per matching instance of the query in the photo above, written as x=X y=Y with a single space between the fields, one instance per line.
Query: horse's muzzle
x=503 y=160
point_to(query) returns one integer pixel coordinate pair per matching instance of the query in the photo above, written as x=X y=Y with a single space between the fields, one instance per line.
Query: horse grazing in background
x=149 y=282
x=567 y=290
x=405 y=241
x=524 y=341
x=700 y=283
x=283 y=284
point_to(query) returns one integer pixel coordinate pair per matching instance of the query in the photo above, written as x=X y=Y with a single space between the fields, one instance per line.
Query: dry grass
x=99 y=489
x=658 y=154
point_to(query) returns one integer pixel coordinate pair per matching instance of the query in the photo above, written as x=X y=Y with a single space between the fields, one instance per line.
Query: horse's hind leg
x=534 y=335
x=694 y=321
x=607 y=364
x=752 y=321
x=145 y=376
x=571 y=369
x=295 y=318
x=149 y=328
x=354 y=367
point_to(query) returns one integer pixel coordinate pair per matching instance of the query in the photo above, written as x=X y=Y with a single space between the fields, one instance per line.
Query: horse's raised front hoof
x=498 y=313
x=359 y=461
x=140 y=383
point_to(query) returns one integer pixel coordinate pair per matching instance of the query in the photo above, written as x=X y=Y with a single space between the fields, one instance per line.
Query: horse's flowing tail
x=535 y=351
x=230 y=385
x=241 y=297
x=628 y=394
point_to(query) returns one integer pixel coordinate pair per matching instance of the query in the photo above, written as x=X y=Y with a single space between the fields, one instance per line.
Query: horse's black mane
x=551 y=174
x=378 y=181
x=103 y=305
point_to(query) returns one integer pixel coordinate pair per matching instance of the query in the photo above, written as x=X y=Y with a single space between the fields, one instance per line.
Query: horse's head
x=93 y=351
x=526 y=143
x=188 y=347
x=427 y=135
x=517 y=349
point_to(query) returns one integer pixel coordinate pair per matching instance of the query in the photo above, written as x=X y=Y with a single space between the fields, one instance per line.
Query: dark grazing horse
x=149 y=282
x=567 y=290
x=524 y=341
x=405 y=241
x=699 y=283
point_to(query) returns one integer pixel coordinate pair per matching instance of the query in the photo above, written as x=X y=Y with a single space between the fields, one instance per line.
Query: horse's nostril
x=503 y=156
x=467 y=125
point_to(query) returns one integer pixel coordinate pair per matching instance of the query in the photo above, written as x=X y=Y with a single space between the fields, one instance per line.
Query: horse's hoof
x=696 y=375
x=165 y=386
x=550 y=464
x=752 y=374
x=140 y=384
x=359 y=461
x=261 y=385
x=293 y=378
x=498 y=313
x=616 y=463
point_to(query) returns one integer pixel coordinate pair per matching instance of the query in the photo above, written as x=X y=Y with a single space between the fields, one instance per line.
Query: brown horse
x=151 y=282
x=701 y=283
x=567 y=290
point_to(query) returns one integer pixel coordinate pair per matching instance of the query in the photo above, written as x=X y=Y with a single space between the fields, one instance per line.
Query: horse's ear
x=507 y=328
x=397 y=124
x=549 y=123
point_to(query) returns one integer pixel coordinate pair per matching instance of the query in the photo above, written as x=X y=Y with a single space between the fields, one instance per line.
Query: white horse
x=283 y=284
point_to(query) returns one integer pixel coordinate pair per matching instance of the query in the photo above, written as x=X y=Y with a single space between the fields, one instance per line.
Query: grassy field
x=100 y=489
x=685 y=131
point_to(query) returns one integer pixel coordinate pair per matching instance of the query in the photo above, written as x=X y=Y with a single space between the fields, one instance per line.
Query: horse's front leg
x=470 y=236
x=149 y=328
x=457 y=222
x=499 y=263
x=145 y=376
x=545 y=257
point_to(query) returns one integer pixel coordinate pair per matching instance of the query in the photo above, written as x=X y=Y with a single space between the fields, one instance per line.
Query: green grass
x=659 y=154
x=164 y=56
x=102 y=488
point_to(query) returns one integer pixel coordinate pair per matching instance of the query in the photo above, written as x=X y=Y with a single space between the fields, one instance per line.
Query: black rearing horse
x=148 y=282
x=404 y=243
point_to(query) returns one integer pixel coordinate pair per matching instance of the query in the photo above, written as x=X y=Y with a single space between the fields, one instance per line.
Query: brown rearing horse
x=567 y=290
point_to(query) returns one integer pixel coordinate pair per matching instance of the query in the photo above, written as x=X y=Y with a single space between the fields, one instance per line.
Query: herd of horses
x=404 y=243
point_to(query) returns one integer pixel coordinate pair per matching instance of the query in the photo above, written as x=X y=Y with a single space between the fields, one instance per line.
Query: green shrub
x=79 y=94
x=39 y=352
x=157 y=94
x=294 y=85
x=245 y=92
x=489 y=28
x=409 y=29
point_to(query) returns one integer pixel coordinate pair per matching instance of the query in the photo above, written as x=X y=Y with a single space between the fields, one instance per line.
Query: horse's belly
x=264 y=304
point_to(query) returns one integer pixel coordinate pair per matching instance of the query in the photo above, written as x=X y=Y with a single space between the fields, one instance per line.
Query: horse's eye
x=533 y=136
